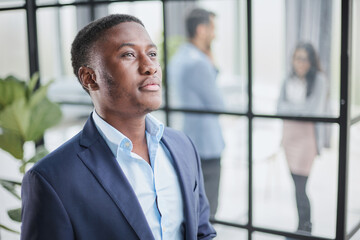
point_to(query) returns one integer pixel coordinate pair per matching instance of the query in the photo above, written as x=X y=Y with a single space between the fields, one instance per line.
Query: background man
x=193 y=77
x=124 y=176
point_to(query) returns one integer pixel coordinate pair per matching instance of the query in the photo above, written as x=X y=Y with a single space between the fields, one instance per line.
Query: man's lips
x=152 y=84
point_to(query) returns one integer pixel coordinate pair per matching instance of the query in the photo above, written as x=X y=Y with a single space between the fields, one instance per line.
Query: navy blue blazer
x=80 y=192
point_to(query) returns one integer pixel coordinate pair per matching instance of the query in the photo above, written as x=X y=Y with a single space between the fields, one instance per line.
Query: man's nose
x=148 y=66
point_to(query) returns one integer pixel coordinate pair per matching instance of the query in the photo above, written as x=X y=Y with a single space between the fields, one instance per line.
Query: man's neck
x=201 y=46
x=206 y=49
x=134 y=129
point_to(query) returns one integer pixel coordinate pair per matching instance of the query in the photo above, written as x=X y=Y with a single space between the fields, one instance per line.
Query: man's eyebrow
x=152 y=45
x=126 y=45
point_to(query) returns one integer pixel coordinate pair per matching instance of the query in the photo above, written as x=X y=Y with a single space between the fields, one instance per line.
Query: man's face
x=127 y=70
x=210 y=31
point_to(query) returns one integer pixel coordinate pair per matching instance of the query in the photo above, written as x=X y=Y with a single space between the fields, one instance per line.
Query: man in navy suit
x=124 y=176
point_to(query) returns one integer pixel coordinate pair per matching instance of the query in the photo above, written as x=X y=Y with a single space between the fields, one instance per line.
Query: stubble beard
x=112 y=87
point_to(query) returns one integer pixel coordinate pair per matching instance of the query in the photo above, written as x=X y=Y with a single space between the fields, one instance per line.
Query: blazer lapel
x=187 y=180
x=103 y=165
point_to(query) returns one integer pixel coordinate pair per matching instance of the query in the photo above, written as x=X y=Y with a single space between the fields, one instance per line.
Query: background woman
x=304 y=93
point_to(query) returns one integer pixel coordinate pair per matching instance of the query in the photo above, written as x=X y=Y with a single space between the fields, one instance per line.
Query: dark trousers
x=211 y=170
x=302 y=203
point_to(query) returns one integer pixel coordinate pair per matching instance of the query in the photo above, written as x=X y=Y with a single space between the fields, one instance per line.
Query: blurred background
x=253 y=50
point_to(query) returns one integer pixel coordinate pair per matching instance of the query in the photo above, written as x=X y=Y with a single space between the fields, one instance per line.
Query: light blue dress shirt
x=156 y=186
x=192 y=78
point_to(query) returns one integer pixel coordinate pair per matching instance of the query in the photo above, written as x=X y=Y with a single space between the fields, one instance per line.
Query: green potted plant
x=25 y=114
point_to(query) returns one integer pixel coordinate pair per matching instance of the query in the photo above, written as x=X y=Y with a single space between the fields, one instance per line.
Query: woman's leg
x=302 y=203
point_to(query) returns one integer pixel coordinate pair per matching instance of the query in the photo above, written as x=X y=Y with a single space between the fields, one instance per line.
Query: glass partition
x=295 y=185
x=213 y=78
x=355 y=60
x=294 y=162
x=11 y=3
x=45 y=2
x=232 y=200
x=353 y=206
x=353 y=200
x=225 y=232
x=296 y=57
x=14 y=58
x=265 y=236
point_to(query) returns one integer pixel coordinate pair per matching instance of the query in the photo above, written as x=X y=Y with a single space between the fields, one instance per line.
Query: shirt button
x=164 y=229
x=127 y=144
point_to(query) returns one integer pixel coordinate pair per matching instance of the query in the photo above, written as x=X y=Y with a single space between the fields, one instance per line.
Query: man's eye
x=128 y=55
x=153 y=54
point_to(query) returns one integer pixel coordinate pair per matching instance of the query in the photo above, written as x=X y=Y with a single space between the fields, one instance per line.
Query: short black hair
x=83 y=43
x=196 y=17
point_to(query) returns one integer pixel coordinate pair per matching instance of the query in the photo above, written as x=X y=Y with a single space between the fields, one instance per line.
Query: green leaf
x=15 y=214
x=16 y=117
x=10 y=182
x=10 y=186
x=32 y=83
x=12 y=143
x=40 y=153
x=44 y=115
x=10 y=90
x=8 y=229
x=39 y=95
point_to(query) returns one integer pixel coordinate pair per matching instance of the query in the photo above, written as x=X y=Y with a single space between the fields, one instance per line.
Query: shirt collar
x=115 y=139
x=154 y=127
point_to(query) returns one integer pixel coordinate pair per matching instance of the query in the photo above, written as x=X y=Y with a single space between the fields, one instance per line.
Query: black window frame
x=344 y=120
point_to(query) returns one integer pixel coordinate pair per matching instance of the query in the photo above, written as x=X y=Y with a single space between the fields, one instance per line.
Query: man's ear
x=87 y=78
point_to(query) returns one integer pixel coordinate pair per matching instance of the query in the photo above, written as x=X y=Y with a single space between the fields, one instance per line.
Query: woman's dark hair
x=314 y=64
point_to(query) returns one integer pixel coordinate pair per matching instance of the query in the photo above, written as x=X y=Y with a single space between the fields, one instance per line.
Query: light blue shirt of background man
x=192 y=76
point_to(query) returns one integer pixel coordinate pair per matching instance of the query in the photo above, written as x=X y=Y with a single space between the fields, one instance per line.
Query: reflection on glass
x=353 y=206
x=286 y=195
x=234 y=171
x=13 y=44
x=355 y=60
x=206 y=68
x=278 y=27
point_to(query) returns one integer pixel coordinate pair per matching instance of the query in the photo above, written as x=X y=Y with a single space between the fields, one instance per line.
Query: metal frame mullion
x=250 y=118
x=344 y=122
x=165 y=77
x=32 y=37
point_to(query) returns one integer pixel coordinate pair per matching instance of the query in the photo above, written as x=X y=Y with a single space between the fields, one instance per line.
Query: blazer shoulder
x=60 y=157
x=176 y=135
x=178 y=142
